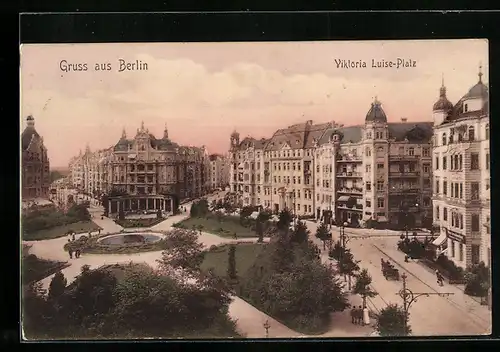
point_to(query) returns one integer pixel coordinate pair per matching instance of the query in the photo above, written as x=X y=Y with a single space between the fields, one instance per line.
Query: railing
x=350 y=174
x=403 y=190
x=350 y=190
x=349 y=159
x=399 y=157
x=404 y=173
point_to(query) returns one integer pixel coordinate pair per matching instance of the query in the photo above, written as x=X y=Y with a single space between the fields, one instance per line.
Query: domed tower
x=235 y=139
x=376 y=123
x=442 y=107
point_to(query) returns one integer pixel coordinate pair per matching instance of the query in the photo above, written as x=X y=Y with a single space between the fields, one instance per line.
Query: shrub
x=477 y=280
x=213 y=247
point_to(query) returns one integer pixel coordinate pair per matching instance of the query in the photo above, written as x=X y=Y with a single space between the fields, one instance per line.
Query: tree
x=477 y=278
x=259 y=228
x=323 y=234
x=231 y=263
x=392 y=321
x=245 y=213
x=362 y=286
x=347 y=266
x=57 y=286
x=300 y=234
x=79 y=212
x=336 y=251
x=183 y=250
x=285 y=218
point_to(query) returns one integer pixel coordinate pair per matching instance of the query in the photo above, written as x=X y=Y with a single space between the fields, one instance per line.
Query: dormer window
x=471 y=133
x=466 y=107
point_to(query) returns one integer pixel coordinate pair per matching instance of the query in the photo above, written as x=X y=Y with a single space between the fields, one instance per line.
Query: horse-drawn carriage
x=389 y=271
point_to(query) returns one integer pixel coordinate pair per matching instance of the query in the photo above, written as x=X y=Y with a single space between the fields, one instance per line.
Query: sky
x=204 y=91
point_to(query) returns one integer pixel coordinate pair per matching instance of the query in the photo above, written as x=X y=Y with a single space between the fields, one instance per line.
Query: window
x=445 y=214
x=487 y=184
x=445 y=188
x=487 y=161
x=437 y=163
x=444 y=138
x=460 y=162
x=488 y=226
x=380 y=185
x=427 y=182
x=474 y=161
x=368 y=151
x=437 y=186
x=426 y=168
x=466 y=107
x=452 y=248
x=380 y=166
x=487 y=131
x=474 y=190
x=461 y=195
x=444 y=163
x=474 y=222
x=401 y=150
x=461 y=248
x=426 y=151
x=411 y=151
x=437 y=212
x=471 y=133
x=475 y=254
x=368 y=168
x=380 y=202
x=368 y=203
x=368 y=186
x=368 y=135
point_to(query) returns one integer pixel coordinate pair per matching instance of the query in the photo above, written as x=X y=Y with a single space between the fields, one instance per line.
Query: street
x=458 y=314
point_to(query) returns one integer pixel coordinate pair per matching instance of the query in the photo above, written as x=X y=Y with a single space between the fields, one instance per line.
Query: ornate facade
x=461 y=163
x=144 y=173
x=218 y=171
x=35 y=165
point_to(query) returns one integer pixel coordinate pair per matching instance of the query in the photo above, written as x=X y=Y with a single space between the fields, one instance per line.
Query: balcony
x=404 y=173
x=349 y=174
x=347 y=159
x=307 y=173
x=353 y=190
x=404 y=157
x=404 y=190
x=397 y=209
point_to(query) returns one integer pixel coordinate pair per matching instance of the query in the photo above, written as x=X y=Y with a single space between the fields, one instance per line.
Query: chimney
x=404 y=119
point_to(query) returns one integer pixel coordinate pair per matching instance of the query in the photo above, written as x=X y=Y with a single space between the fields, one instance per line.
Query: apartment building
x=219 y=170
x=461 y=163
x=378 y=171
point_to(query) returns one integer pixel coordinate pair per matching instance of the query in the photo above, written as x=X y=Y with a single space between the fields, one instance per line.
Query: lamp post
x=267 y=326
x=344 y=239
x=410 y=297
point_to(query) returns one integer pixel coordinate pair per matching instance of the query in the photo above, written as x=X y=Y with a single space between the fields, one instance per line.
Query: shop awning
x=382 y=219
x=343 y=198
x=440 y=240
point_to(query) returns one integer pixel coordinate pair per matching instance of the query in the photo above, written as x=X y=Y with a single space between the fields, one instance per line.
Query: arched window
x=444 y=138
x=368 y=151
x=487 y=131
x=471 y=133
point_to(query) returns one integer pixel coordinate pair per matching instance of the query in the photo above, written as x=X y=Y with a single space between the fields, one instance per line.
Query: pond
x=130 y=238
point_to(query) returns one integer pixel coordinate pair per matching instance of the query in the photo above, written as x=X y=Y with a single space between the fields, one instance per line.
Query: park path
x=249 y=320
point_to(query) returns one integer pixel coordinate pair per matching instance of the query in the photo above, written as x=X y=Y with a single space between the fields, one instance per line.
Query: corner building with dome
x=461 y=176
x=378 y=172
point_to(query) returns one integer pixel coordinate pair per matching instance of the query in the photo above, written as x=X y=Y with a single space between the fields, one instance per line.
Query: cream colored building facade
x=380 y=171
x=219 y=170
x=461 y=163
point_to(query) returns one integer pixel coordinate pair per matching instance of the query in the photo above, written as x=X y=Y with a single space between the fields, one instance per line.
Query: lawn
x=245 y=254
x=36 y=269
x=225 y=228
x=59 y=231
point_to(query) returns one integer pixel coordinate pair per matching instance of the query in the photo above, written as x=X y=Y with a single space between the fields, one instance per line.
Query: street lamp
x=343 y=237
x=410 y=297
x=267 y=326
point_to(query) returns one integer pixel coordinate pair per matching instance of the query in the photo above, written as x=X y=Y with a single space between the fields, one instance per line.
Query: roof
x=413 y=131
x=376 y=113
x=298 y=136
x=443 y=103
x=352 y=134
x=248 y=142
x=28 y=133
x=159 y=144
x=478 y=91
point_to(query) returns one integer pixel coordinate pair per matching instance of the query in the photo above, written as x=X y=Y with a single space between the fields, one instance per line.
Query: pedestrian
x=235 y=236
x=77 y=253
x=439 y=278
x=73 y=236
x=360 y=315
x=70 y=251
x=353 y=315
